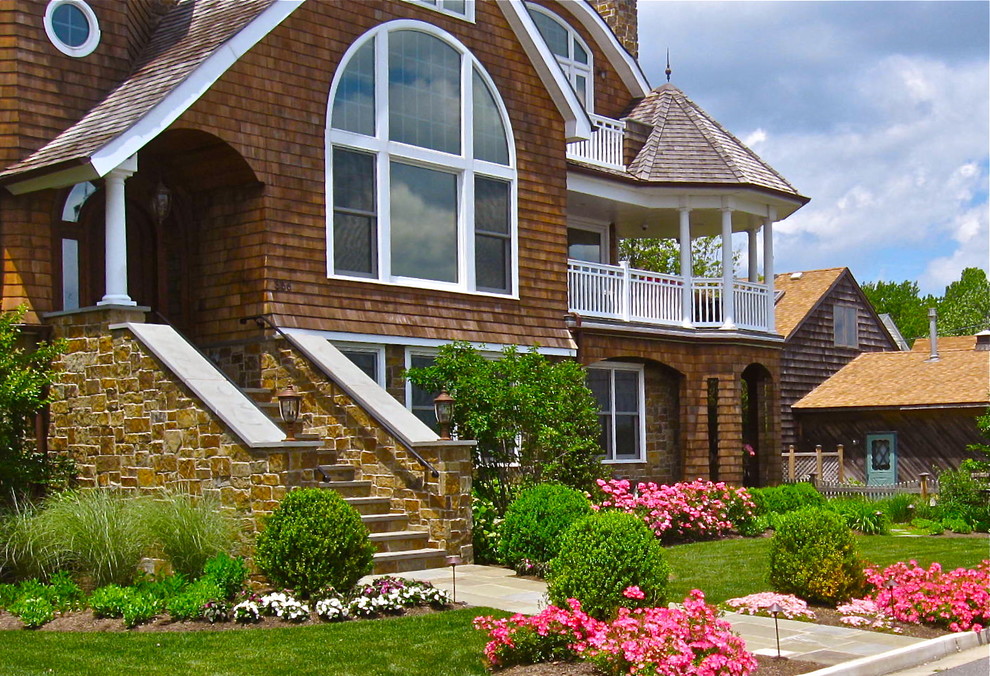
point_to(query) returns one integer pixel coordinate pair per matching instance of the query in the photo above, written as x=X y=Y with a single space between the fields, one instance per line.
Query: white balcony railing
x=604 y=148
x=624 y=293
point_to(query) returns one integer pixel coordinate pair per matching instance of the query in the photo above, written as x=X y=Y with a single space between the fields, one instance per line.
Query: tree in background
x=965 y=307
x=25 y=373
x=664 y=255
x=904 y=304
x=534 y=420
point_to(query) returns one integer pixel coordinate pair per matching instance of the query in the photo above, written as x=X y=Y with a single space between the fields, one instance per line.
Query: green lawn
x=427 y=645
x=725 y=569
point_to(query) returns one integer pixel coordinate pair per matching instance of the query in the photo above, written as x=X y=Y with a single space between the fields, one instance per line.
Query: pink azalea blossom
x=634 y=593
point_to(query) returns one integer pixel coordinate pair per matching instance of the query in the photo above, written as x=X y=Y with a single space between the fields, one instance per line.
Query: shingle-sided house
x=826 y=322
x=903 y=413
x=372 y=180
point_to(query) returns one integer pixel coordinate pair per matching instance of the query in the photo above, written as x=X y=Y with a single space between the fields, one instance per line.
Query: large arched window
x=420 y=165
x=571 y=51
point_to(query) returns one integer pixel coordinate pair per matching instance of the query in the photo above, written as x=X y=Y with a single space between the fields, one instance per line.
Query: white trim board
x=338 y=336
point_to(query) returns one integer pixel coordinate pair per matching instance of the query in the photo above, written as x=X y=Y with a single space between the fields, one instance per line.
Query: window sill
x=425 y=286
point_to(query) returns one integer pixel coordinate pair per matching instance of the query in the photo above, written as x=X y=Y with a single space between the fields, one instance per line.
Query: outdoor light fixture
x=889 y=586
x=453 y=562
x=443 y=406
x=288 y=409
x=775 y=609
x=161 y=202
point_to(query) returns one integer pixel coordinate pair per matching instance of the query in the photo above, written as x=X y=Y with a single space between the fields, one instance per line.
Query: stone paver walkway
x=493 y=587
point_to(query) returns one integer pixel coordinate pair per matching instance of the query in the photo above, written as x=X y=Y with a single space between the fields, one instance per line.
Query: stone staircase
x=399 y=549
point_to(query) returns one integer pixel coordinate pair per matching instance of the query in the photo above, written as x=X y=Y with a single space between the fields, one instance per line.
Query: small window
x=370 y=359
x=619 y=391
x=72 y=27
x=462 y=8
x=846 y=325
x=586 y=244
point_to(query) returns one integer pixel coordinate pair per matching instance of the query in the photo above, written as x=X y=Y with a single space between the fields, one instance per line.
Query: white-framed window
x=621 y=394
x=421 y=171
x=587 y=242
x=72 y=27
x=463 y=9
x=571 y=51
x=418 y=400
x=845 y=323
x=368 y=358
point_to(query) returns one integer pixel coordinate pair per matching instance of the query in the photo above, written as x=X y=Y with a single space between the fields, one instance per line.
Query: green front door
x=881 y=459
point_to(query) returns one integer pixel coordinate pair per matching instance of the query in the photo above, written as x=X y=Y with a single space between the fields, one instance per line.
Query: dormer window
x=571 y=51
x=72 y=27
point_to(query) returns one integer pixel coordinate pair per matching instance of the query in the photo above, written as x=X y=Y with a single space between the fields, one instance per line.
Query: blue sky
x=878 y=111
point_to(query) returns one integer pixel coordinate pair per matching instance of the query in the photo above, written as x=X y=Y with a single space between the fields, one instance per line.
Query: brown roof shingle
x=945 y=343
x=905 y=379
x=183 y=40
x=801 y=294
x=687 y=145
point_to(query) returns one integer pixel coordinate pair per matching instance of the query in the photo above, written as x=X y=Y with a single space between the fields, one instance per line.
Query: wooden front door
x=881 y=459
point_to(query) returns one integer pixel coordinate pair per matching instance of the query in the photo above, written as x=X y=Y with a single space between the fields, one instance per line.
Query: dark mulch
x=831 y=617
x=769 y=666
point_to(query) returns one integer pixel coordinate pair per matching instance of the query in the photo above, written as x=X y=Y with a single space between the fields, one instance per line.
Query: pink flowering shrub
x=791 y=607
x=699 y=510
x=688 y=640
x=867 y=614
x=958 y=599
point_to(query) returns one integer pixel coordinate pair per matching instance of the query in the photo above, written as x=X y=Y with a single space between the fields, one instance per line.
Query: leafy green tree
x=664 y=255
x=25 y=373
x=965 y=307
x=903 y=302
x=534 y=420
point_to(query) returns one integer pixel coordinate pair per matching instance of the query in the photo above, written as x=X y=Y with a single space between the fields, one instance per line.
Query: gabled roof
x=905 y=380
x=800 y=293
x=192 y=46
x=686 y=145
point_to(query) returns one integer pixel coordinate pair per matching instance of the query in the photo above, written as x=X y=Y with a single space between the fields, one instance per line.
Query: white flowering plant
x=331 y=609
x=791 y=607
x=246 y=611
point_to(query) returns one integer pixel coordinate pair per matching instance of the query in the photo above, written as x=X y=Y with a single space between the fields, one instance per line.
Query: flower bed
x=687 y=511
x=791 y=607
x=688 y=640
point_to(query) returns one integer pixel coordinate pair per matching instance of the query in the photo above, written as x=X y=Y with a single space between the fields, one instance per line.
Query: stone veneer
x=129 y=423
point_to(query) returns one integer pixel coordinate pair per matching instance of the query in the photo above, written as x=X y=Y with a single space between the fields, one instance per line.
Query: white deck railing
x=627 y=294
x=604 y=148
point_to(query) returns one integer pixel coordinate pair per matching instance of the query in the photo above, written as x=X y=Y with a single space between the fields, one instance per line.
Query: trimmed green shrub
x=110 y=600
x=314 y=539
x=188 y=605
x=786 y=498
x=813 y=556
x=928 y=526
x=536 y=520
x=957 y=525
x=961 y=495
x=862 y=515
x=226 y=572
x=33 y=611
x=600 y=557
x=189 y=530
x=140 y=608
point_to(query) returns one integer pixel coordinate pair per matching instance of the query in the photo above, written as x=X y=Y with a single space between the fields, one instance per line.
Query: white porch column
x=728 y=299
x=752 y=271
x=768 y=267
x=116 y=235
x=686 y=292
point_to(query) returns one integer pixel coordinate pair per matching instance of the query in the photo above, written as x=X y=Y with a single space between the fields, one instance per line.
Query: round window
x=72 y=27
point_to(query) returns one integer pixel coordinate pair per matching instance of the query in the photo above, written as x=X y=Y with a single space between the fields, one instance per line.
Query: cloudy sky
x=878 y=111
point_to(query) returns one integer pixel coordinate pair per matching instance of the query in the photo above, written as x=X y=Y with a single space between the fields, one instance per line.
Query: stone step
x=400 y=541
x=259 y=395
x=384 y=523
x=339 y=472
x=370 y=505
x=349 y=489
x=387 y=563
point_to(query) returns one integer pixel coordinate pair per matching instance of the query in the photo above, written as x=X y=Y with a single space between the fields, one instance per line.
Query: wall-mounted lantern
x=443 y=406
x=289 y=404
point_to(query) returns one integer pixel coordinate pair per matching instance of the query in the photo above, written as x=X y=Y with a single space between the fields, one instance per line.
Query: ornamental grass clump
x=314 y=539
x=957 y=599
x=603 y=555
x=681 y=512
x=189 y=530
x=813 y=555
x=536 y=521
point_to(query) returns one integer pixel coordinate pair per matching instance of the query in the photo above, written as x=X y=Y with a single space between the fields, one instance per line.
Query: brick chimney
x=621 y=17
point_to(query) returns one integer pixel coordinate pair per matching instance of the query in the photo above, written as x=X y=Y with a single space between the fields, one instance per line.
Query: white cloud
x=755 y=138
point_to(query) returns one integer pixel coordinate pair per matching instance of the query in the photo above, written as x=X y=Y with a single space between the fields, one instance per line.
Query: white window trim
x=469 y=14
x=464 y=166
x=640 y=370
x=377 y=350
x=854 y=316
x=571 y=67
x=92 y=41
x=600 y=229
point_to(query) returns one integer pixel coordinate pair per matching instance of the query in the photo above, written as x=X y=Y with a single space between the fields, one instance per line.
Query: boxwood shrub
x=312 y=540
x=536 y=520
x=600 y=557
x=813 y=556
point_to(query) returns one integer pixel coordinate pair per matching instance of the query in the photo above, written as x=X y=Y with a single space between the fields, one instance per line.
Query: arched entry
x=756 y=421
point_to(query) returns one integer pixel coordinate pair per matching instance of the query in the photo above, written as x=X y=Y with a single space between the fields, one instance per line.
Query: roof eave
x=889 y=407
